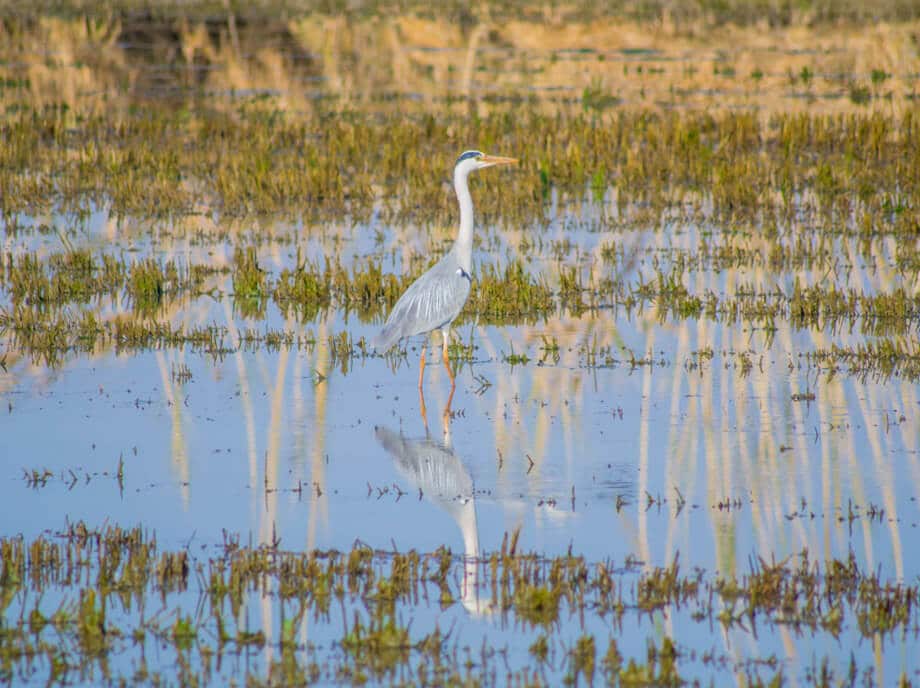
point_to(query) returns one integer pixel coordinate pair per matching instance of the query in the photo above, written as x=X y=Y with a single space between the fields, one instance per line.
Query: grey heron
x=433 y=300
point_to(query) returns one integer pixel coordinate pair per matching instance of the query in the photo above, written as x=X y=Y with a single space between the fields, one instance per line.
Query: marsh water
x=624 y=432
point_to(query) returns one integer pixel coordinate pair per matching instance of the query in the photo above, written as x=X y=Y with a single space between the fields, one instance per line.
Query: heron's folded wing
x=432 y=301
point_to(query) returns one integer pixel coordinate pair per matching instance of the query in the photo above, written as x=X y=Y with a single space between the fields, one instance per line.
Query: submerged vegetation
x=854 y=174
x=105 y=596
x=40 y=292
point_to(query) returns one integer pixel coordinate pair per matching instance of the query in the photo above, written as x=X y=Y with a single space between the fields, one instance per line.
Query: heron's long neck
x=463 y=248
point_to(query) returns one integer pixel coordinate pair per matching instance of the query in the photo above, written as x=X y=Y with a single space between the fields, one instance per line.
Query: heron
x=435 y=299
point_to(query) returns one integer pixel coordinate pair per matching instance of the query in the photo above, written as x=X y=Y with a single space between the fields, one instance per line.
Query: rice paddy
x=682 y=448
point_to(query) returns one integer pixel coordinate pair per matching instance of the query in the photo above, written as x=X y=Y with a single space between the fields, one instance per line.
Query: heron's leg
x=421 y=367
x=421 y=391
x=445 y=335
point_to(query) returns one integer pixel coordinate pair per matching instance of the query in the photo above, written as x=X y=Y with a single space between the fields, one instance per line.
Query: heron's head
x=477 y=160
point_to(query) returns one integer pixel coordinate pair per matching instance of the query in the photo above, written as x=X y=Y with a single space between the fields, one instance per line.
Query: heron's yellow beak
x=498 y=160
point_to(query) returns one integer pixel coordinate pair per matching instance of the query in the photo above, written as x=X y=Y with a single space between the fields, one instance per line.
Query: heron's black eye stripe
x=466 y=155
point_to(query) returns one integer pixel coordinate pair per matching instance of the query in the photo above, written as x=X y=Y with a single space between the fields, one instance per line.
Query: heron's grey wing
x=432 y=301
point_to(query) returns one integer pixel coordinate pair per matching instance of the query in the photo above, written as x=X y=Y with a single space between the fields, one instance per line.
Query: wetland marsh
x=684 y=446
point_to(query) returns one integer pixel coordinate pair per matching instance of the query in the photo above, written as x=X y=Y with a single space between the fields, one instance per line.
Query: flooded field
x=684 y=443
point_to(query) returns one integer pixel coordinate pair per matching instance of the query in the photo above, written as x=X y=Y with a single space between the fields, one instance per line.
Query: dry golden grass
x=427 y=65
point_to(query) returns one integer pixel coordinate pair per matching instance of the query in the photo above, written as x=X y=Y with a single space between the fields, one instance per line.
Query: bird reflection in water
x=435 y=469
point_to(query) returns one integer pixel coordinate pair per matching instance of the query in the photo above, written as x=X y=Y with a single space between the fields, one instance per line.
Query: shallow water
x=195 y=452
x=714 y=460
